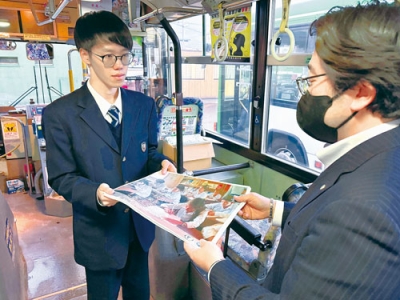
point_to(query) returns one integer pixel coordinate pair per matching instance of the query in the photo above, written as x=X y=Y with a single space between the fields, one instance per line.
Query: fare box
x=198 y=151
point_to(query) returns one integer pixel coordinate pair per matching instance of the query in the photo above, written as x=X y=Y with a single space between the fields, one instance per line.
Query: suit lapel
x=346 y=164
x=91 y=114
x=130 y=113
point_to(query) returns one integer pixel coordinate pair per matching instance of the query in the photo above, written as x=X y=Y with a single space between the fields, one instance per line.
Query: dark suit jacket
x=341 y=240
x=82 y=153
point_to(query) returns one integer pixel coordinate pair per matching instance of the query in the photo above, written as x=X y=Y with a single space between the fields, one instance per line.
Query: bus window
x=39 y=71
x=190 y=35
x=285 y=140
x=225 y=89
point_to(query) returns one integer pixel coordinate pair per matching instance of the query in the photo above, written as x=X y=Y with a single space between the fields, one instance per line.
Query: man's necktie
x=113 y=112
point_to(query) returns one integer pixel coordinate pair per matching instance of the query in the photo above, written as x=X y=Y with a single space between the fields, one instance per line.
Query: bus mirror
x=7 y=45
x=39 y=51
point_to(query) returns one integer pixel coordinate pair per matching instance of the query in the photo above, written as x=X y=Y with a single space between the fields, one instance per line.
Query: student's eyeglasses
x=109 y=60
x=303 y=83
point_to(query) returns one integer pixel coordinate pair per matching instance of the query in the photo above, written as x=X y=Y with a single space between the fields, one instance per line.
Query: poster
x=237 y=25
x=10 y=130
x=121 y=9
x=95 y=6
x=168 y=121
x=191 y=208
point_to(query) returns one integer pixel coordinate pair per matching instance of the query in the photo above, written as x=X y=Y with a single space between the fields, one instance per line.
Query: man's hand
x=166 y=165
x=204 y=255
x=102 y=199
x=256 y=208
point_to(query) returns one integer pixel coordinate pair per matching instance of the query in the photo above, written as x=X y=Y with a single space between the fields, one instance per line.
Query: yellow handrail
x=283 y=28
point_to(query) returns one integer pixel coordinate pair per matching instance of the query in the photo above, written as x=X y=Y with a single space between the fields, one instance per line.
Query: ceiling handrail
x=52 y=18
x=188 y=11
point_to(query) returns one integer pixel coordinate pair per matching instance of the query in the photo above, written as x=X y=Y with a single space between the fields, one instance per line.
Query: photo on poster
x=190 y=208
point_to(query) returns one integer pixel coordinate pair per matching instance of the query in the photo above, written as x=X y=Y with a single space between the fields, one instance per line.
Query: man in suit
x=91 y=150
x=342 y=239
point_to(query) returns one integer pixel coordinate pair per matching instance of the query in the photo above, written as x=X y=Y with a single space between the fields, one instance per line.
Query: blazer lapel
x=91 y=114
x=346 y=164
x=130 y=114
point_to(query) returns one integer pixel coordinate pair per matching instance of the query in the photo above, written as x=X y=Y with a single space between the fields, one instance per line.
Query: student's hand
x=204 y=255
x=166 y=165
x=102 y=199
x=256 y=208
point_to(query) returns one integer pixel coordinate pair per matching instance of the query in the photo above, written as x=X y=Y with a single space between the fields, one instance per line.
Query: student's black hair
x=97 y=26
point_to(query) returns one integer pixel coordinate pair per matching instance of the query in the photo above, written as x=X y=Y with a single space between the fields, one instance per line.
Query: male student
x=98 y=138
x=342 y=238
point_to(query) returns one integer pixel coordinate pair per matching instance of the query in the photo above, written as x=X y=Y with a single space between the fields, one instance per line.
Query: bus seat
x=168 y=267
x=164 y=101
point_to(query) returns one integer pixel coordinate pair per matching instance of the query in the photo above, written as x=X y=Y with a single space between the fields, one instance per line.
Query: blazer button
x=126 y=210
x=124 y=158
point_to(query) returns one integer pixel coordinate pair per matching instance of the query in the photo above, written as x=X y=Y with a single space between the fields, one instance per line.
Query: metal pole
x=178 y=90
x=70 y=74
x=145 y=69
x=41 y=81
x=47 y=82
x=221 y=169
x=20 y=98
x=37 y=91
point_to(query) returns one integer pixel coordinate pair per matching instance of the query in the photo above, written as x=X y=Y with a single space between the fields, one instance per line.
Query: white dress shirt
x=104 y=105
x=333 y=152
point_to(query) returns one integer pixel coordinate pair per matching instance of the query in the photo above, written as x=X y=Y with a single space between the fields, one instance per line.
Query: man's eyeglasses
x=303 y=83
x=109 y=60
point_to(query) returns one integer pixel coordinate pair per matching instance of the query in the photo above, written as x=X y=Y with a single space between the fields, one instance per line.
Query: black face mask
x=310 y=115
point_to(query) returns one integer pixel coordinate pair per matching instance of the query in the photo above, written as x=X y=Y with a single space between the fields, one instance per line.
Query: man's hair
x=363 y=43
x=105 y=26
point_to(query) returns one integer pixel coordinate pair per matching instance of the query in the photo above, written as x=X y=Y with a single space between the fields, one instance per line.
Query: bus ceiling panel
x=39 y=4
x=51 y=11
x=156 y=4
x=170 y=13
x=174 y=10
x=293 y=60
x=209 y=5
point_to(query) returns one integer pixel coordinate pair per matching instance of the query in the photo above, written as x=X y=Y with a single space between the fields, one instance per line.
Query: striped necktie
x=113 y=112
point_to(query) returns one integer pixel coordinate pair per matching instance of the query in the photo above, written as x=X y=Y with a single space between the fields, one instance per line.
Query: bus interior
x=242 y=79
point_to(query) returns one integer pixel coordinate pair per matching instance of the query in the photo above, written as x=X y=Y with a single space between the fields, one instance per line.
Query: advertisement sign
x=237 y=24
